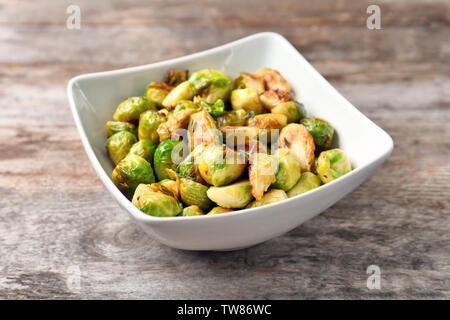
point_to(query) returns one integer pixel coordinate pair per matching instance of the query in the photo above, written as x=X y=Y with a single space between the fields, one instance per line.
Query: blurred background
x=61 y=234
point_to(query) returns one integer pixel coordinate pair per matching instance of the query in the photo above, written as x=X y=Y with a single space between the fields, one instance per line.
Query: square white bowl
x=94 y=97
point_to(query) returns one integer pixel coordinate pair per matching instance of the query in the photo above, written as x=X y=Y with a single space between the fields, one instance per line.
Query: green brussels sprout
x=163 y=158
x=273 y=80
x=308 y=181
x=332 y=164
x=293 y=110
x=130 y=109
x=119 y=144
x=289 y=170
x=248 y=80
x=220 y=165
x=247 y=99
x=234 y=196
x=156 y=201
x=215 y=109
x=144 y=149
x=261 y=173
x=130 y=172
x=297 y=138
x=157 y=92
x=184 y=105
x=192 y=211
x=149 y=121
x=183 y=91
x=271 y=196
x=218 y=210
x=113 y=127
x=194 y=193
x=271 y=98
x=235 y=118
x=175 y=77
x=322 y=131
x=188 y=168
x=211 y=85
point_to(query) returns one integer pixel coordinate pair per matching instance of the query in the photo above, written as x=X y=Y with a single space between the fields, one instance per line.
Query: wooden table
x=56 y=218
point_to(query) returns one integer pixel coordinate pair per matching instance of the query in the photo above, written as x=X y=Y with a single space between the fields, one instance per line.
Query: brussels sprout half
x=321 y=131
x=188 y=168
x=271 y=196
x=289 y=170
x=175 y=77
x=130 y=109
x=234 y=196
x=234 y=118
x=308 y=181
x=220 y=165
x=293 y=110
x=113 y=127
x=119 y=144
x=144 y=149
x=218 y=210
x=261 y=173
x=247 y=99
x=273 y=80
x=192 y=211
x=163 y=160
x=130 y=172
x=183 y=91
x=332 y=164
x=156 y=201
x=248 y=80
x=194 y=193
x=149 y=121
x=298 y=139
x=157 y=92
x=211 y=85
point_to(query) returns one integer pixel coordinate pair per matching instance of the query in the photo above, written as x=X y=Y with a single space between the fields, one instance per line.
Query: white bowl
x=94 y=97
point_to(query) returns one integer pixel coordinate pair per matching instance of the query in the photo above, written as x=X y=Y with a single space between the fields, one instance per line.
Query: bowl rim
x=139 y=215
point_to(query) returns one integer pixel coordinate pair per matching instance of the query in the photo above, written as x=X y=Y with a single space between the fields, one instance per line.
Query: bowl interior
x=95 y=96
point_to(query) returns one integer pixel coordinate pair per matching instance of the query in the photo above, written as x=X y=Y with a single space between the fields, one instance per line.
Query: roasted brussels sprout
x=247 y=80
x=308 y=181
x=144 y=149
x=332 y=164
x=175 y=77
x=293 y=110
x=215 y=109
x=163 y=159
x=298 y=139
x=239 y=136
x=172 y=185
x=261 y=173
x=271 y=196
x=119 y=144
x=234 y=196
x=203 y=129
x=130 y=172
x=130 y=109
x=183 y=91
x=113 y=127
x=289 y=170
x=194 y=193
x=178 y=119
x=211 y=85
x=192 y=211
x=188 y=168
x=271 y=98
x=321 y=131
x=235 y=118
x=220 y=165
x=273 y=80
x=157 y=92
x=156 y=201
x=149 y=121
x=247 y=99
x=217 y=210
x=268 y=122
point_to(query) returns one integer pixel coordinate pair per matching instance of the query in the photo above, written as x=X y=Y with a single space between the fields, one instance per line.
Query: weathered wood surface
x=55 y=214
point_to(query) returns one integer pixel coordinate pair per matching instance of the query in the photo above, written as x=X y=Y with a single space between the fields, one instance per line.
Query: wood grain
x=55 y=213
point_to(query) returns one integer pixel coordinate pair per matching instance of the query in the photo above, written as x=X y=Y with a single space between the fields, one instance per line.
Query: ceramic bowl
x=94 y=97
